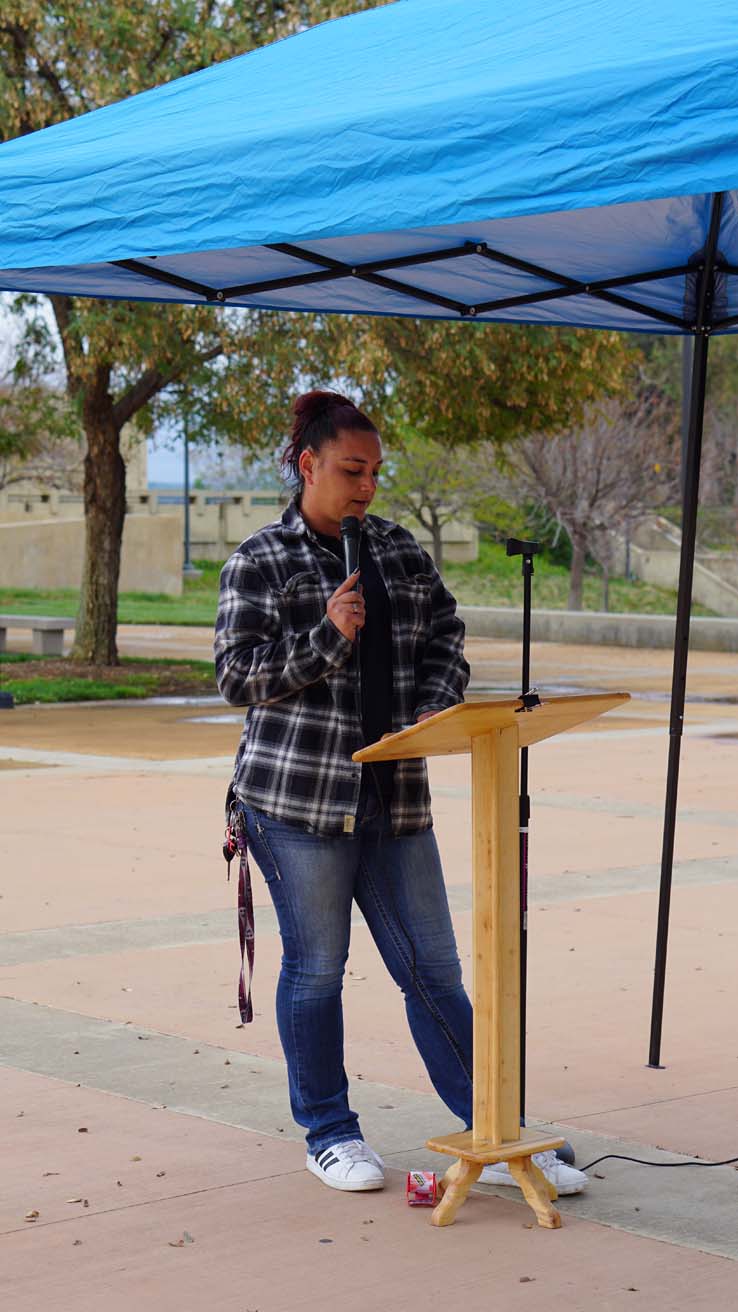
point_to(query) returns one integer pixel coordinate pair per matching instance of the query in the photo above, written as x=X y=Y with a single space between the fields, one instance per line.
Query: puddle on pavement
x=214 y=719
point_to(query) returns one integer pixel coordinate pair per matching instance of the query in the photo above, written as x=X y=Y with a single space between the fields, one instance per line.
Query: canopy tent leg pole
x=691 y=484
x=703 y=316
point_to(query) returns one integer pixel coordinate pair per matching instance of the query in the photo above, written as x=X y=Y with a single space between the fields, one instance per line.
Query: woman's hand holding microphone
x=346 y=608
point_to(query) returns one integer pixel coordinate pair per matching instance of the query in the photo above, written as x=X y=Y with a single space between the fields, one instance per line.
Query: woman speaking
x=325 y=665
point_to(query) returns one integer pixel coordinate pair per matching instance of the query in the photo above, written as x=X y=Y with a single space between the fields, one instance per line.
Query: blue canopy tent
x=569 y=163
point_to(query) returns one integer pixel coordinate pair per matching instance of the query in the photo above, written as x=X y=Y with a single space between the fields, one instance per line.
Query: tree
x=230 y=466
x=467 y=383
x=421 y=478
x=719 y=465
x=594 y=478
x=59 y=58
x=39 y=435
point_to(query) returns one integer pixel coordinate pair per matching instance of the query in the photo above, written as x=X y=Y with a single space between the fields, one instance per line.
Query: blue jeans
x=398 y=885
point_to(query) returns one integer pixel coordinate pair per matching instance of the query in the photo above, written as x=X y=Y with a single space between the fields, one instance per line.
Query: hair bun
x=311 y=405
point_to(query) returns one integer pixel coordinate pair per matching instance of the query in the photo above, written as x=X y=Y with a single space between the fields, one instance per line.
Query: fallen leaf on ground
x=137 y=1158
x=83 y=1130
x=32 y=1216
x=159 y=1174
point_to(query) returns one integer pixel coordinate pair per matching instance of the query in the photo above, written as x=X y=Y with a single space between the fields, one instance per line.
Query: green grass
x=197 y=605
x=716 y=526
x=27 y=691
x=496 y=580
x=492 y=580
x=44 y=679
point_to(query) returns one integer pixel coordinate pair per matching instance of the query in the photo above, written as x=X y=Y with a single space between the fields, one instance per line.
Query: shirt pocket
x=412 y=598
x=302 y=601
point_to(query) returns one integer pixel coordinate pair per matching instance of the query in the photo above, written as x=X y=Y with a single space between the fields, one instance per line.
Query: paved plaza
x=151 y=1133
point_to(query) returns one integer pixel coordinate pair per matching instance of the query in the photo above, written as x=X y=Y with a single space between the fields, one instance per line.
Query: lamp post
x=188 y=569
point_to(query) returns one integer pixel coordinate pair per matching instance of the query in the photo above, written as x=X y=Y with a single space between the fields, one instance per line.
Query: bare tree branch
x=150 y=383
x=595 y=479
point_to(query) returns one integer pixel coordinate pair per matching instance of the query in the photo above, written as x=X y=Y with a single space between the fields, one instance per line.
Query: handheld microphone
x=350 y=536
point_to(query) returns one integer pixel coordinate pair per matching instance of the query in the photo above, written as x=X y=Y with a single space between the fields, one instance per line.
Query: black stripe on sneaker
x=321 y=1156
x=328 y=1161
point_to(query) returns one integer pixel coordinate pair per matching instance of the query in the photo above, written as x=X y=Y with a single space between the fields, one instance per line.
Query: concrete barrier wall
x=654 y=558
x=708 y=587
x=598 y=628
x=49 y=553
x=219 y=521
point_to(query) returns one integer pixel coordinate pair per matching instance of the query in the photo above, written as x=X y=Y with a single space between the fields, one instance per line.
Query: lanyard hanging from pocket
x=235 y=842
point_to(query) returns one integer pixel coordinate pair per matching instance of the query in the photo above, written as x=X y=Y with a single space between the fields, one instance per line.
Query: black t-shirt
x=375 y=660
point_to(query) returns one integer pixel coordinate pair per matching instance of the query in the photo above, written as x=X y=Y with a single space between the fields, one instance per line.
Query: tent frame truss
x=376 y=273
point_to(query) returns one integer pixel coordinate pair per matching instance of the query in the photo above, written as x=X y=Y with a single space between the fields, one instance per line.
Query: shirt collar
x=293 y=523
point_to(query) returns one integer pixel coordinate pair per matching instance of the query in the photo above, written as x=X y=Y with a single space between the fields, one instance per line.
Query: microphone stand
x=527 y=550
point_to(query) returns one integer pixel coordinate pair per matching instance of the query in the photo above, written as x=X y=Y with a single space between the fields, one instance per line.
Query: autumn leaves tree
x=60 y=58
x=451 y=398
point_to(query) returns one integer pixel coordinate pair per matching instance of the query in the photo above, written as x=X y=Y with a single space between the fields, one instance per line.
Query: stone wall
x=609 y=629
x=219 y=521
x=48 y=553
x=654 y=557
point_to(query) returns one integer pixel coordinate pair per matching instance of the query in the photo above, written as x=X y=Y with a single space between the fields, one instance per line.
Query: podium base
x=474 y=1154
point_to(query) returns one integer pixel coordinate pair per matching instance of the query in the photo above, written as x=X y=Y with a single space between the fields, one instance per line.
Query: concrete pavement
x=129 y=1083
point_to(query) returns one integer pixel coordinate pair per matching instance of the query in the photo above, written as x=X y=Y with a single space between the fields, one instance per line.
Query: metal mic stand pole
x=527 y=550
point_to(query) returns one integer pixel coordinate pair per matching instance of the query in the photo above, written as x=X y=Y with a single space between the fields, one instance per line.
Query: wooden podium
x=494 y=732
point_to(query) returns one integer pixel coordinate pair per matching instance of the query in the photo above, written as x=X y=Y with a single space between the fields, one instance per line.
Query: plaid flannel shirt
x=278 y=653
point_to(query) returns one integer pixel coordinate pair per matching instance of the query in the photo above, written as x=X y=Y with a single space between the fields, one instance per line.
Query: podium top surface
x=454 y=729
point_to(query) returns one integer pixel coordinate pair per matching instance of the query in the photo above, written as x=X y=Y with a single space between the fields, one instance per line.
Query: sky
x=166 y=463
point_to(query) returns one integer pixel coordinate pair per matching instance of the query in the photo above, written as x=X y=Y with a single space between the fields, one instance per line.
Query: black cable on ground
x=617 y=1157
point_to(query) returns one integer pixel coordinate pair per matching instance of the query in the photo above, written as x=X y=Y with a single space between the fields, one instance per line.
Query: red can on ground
x=422 y=1189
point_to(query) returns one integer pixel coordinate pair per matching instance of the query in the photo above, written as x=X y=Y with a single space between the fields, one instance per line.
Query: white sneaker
x=565 y=1179
x=350 y=1164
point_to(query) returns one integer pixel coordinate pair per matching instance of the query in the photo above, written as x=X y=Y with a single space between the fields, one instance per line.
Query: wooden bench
x=47 y=631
